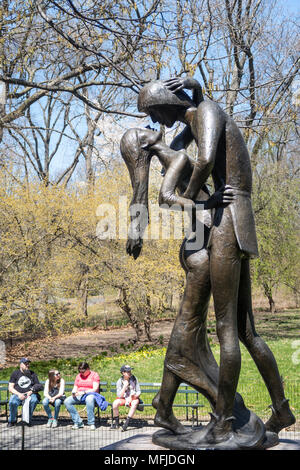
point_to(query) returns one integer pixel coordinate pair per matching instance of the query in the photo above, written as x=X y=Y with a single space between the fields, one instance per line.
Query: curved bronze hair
x=137 y=160
x=157 y=94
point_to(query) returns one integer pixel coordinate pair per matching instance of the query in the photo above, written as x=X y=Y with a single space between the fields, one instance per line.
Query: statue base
x=248 y=432
x=195 y=440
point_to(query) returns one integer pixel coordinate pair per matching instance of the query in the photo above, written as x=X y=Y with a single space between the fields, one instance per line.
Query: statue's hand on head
x=179 y=83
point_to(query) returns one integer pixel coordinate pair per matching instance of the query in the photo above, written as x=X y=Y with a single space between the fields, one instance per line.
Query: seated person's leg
x=69 y=403
x=57 y=405
x=133 y=407
x=32 y=404
x=90 y=405
x=14 y=402
x=118 y=402
x=47 y=407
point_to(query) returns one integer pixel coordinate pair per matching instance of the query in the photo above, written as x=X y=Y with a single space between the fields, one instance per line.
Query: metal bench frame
x=146 y=388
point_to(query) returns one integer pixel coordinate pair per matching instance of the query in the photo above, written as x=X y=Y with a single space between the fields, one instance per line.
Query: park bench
x=103 y=388
x=148 y=389
x=4 y=395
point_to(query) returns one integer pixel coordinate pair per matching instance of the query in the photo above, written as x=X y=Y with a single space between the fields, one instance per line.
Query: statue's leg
x=248 y=431
x=225 y=266
x=163 y=402
x=189 y=357
x=262 y=355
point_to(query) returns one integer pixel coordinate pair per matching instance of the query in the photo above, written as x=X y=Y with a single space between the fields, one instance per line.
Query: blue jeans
x=15 y=401
x=90 y=405
x=57 y=405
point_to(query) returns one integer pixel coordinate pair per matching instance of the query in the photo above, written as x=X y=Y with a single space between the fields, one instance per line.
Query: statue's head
x=161 y=104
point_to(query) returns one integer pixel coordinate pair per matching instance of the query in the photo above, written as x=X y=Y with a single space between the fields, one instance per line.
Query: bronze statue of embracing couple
x=219 y=266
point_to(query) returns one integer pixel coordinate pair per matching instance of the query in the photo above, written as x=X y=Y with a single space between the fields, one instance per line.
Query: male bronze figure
x=221 y=266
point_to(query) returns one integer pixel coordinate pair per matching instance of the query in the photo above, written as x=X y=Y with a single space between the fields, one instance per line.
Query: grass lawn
x=148 y=367
x=280 y=331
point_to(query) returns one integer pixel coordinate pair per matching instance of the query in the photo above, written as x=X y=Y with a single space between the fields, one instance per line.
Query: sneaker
x=50 y=423
x=11 y=424
x=55 y=423
x=115 y=423
x=126 y=424
x=92 y=427
x=78 y=426
x=114 y=426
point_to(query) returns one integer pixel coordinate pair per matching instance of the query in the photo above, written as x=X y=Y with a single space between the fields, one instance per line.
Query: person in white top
x=128 y=393
x=54 y=394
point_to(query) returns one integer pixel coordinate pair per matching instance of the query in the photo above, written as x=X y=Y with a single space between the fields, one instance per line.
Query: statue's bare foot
x=281 y=418
x=217 y=434
x=206 y=439
x=171 y=423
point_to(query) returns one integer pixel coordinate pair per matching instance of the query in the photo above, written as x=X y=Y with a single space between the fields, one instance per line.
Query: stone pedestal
x=143 y=441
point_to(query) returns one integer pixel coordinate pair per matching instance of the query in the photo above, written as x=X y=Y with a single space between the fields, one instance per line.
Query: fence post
x=23 y=436
x=186 y=408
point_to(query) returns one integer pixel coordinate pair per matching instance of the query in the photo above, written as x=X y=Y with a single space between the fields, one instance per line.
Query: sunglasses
x=57 y=373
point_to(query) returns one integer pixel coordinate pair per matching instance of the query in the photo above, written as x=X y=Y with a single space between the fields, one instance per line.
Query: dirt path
x=85 y=343
x=90 y=342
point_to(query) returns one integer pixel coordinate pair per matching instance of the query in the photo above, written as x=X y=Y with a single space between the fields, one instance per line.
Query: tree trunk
x=296 y=296
x=124 y=305
x=147 y=319
x=269 y=295
x=84 y=296
x=82 y=291
x=2 y=105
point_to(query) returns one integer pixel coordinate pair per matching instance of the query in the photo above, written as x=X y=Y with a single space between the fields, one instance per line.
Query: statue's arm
x=178 y=83
x=178 y=169
x=211 y=122
x=183 y=139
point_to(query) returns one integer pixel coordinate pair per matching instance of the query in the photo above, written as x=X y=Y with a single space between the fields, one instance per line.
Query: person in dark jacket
x=23 y=383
